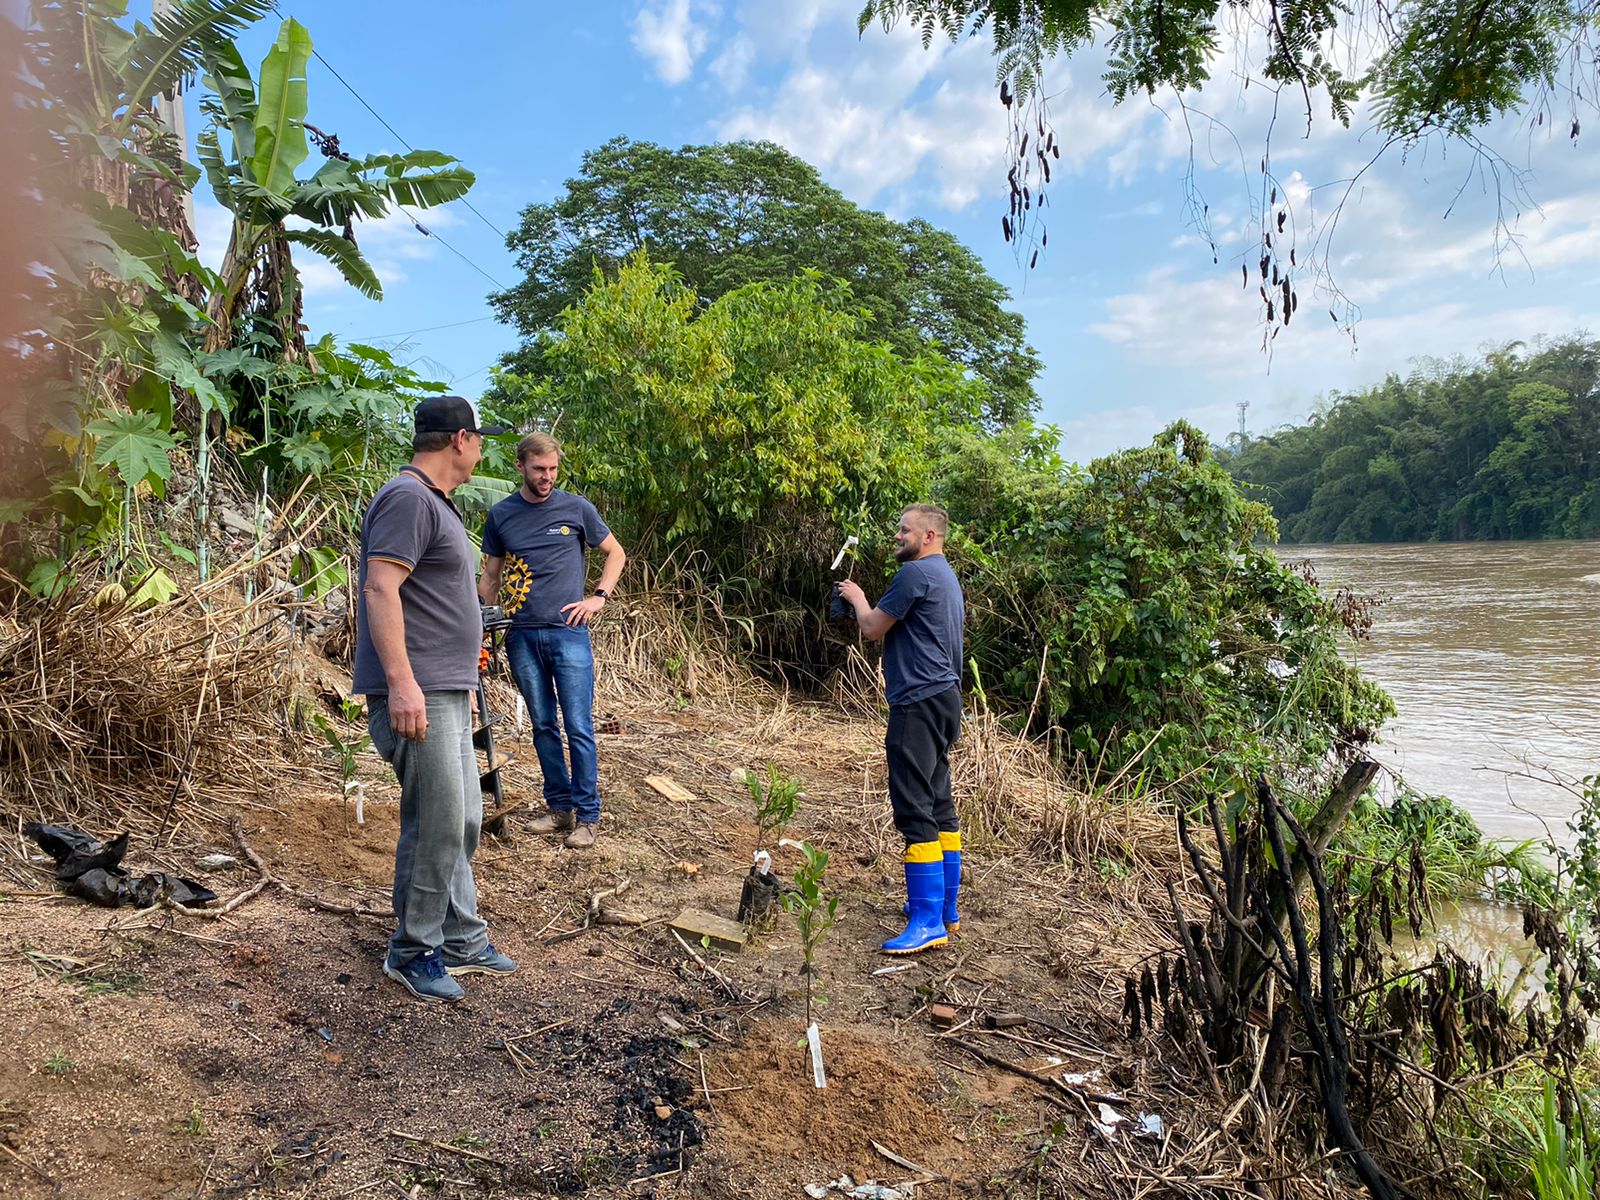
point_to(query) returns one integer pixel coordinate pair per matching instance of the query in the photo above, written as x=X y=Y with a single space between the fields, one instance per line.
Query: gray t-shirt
x=543 y=546
x=922 y=650
x=413 y=523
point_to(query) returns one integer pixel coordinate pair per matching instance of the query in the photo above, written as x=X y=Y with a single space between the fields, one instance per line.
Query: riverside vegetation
x=1505 y=447
x=1128 y=617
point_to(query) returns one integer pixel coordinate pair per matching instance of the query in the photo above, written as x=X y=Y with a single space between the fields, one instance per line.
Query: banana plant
x=254 y=144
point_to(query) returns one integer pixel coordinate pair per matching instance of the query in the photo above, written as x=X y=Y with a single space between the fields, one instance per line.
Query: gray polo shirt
x=413 y=523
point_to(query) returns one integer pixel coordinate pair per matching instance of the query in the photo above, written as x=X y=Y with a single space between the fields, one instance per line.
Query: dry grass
x=109 y=716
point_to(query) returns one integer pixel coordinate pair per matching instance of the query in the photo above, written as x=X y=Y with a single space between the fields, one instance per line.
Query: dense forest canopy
x=1507 y=447
x=735 y=213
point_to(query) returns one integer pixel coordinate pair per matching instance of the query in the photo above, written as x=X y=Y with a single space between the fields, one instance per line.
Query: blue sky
x=1135 y=324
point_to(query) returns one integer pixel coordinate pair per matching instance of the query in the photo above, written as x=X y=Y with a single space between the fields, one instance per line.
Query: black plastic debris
x=88 y=868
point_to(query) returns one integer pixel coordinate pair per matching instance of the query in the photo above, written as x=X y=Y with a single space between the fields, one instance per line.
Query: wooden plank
x=694 y=924
x=669 y=788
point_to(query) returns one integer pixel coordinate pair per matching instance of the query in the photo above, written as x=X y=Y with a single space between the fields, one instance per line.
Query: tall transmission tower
x=1243 y=406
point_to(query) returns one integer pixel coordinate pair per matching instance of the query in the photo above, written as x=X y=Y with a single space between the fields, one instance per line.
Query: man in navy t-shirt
x=919 y=620
x=534 y=545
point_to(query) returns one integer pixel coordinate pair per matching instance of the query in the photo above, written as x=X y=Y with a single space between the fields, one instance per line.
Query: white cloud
x=665 y=32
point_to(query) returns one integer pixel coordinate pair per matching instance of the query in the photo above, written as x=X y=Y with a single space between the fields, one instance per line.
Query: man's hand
x=579 y=611
x=852 y=593
x=408 y=711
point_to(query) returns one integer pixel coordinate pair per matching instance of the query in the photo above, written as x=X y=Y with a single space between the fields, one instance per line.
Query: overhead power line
x=426 y=232
x=349 y=87
x=378 y=337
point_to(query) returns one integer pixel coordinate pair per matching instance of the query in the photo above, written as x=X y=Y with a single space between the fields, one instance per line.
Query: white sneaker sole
x=395 y=975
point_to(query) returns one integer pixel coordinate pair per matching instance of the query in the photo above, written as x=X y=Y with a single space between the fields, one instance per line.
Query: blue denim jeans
x=441 y=814
x=554 y=668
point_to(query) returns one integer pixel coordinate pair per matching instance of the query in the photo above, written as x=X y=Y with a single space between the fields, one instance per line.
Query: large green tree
x=736 y=213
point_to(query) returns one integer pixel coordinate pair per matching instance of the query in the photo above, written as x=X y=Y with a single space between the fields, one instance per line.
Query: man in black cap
x=418 y=632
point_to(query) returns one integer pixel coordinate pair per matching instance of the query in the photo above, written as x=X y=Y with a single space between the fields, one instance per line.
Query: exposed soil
x=153 y=1055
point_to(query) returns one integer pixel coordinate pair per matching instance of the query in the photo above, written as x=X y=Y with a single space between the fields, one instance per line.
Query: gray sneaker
x=554 y=821
x=488 y=961
x=424 y=977
x=582 y=837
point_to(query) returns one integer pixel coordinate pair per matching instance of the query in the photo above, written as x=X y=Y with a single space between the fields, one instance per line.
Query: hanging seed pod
x=1287 y=300
x=1264 y=263
x=1164 y=982
x=1023 y=152
x=1044 y=238
x=1294 y=301
x=1245 y=272
x=1268 y=238
x=1046 y=171
x=1269 y=312
x=1005 y=92
x=1274 y=198
x=1274 y=274
x=1034 y=261
x=1282 y=217
x=1056 y=150
x=1027 y=199
x=1291 y=256
x=1005 y=227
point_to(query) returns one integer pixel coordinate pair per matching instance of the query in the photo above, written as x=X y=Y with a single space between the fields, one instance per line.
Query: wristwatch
x=602 y=593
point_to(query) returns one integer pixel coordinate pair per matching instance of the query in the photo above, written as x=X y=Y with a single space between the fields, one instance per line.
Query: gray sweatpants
x=441 y=815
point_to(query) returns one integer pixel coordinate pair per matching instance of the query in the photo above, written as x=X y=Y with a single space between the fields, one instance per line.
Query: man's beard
x=905 y=553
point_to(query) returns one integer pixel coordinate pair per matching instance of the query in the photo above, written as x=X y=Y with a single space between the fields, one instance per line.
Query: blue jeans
x=441 y=814
x=554 y=667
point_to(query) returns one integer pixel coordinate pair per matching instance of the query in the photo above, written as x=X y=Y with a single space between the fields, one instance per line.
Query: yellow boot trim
x=924 y=852
x=949 y=841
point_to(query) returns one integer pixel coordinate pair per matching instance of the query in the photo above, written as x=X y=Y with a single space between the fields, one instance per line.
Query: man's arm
x=873 y=622
x=579 y=613
x=489 y=578
x=386 y=622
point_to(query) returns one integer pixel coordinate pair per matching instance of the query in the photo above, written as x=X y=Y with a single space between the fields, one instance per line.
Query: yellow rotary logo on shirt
x=516 y=584
x=565 y=530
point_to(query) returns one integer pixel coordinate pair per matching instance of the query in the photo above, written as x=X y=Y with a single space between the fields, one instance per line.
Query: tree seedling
x=346 y=751
x=814 y=913
x=775 y=797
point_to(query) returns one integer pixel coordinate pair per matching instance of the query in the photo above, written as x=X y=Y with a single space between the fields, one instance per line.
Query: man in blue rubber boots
x=919 y=620
x=534 y=565
x=418 y=631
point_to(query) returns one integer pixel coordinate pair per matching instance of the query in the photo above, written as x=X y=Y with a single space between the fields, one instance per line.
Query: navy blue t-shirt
x=922 y=650
x=543 y=546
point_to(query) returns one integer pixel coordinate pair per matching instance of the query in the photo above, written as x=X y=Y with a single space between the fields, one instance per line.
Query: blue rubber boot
x=950 y=843
x=925 y=900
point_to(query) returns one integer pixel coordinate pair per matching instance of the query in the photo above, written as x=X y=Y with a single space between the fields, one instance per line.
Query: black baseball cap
x=446 y=414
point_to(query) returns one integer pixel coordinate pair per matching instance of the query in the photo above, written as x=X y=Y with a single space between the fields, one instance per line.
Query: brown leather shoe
x=554 y=822
x=583 y=836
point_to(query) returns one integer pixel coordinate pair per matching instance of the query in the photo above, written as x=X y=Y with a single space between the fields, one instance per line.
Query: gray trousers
x=441 y=816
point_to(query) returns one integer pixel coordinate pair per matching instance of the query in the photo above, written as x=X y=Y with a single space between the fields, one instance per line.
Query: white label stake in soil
x=814 y=1039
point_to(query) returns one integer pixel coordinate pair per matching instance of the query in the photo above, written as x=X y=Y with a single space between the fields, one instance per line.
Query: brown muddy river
x=1492 y=653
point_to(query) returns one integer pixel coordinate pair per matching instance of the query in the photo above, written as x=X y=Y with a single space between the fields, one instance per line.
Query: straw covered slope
x=163 y=1053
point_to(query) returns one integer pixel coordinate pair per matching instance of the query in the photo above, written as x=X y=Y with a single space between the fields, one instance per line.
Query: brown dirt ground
x=148 y=1055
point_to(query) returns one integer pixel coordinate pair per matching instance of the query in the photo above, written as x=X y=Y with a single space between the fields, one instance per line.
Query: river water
x=1491 y=651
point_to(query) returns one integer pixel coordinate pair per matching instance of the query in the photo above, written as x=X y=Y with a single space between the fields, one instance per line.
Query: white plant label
x=814 y=1039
